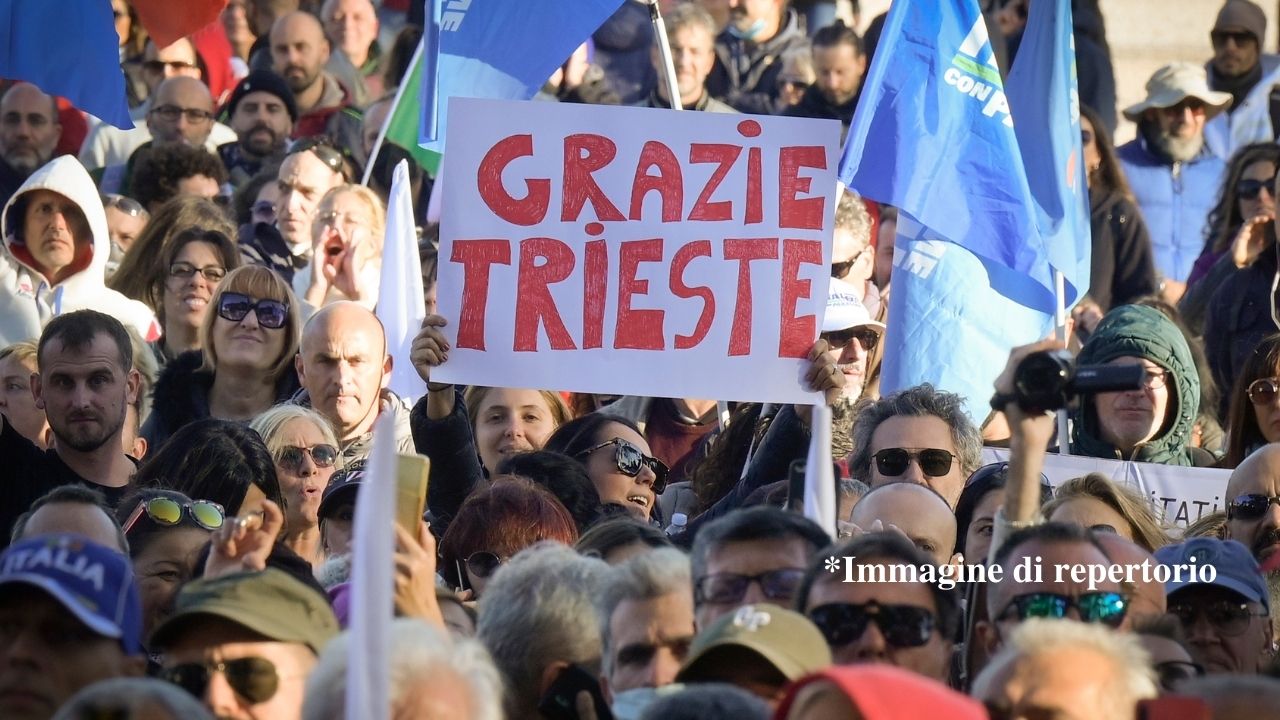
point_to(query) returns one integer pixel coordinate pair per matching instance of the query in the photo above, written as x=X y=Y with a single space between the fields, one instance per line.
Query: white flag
x=819 y=477
x=401 y=306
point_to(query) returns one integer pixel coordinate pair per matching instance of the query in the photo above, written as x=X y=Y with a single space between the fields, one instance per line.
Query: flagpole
x=664 y=49
x=1060 y=331
x=382 y=133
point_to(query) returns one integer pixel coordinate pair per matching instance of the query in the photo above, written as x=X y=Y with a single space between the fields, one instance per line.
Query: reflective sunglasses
x=1263 y=391
x=840 y=339
x=173 y=112
x=631 y=461
x=934 y=462
x=271 y=314
x=1230 y=618
x=1107 y=608
x=186 y=271
x=1250 y=189
x=1250 y=507
x=167 y=511
x=290 y=457
x=1172 y=673
x=902 y=625
x=779 y=585
x=126 y=205
x=483 y=564
x=253 y=678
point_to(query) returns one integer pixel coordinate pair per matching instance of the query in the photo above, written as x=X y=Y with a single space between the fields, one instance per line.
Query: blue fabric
x=68 y=48
x=1175 y=207
x=500 y=50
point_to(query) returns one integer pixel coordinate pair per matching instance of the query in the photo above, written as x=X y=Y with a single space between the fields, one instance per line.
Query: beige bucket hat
x=1176 y=82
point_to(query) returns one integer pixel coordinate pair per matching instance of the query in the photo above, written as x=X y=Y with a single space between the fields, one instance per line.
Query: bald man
x=181 y=112
x=299 y=52
x=1253 y=517
x=344 y=369
x=29 y=131
x=917 y=510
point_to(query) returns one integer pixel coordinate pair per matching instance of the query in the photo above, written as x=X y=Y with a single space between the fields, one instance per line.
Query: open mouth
x=641 y=501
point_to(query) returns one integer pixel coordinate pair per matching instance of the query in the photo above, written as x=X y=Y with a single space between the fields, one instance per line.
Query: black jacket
x=746 y=73
x=1239 y=318
x=1122 y=268
x=813 y=104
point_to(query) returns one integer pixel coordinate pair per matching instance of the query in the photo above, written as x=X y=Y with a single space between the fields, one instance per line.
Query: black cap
x=262 y=81
x=342 y=488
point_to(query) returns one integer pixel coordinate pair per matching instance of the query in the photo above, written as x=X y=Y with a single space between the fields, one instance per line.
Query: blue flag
x=501 y=50
x=1045 y=99
x=68 y=48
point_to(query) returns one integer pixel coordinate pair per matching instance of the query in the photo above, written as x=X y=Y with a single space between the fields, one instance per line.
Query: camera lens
x=1042 y=381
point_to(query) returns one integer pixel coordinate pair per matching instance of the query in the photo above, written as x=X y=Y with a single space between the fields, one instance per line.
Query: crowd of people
x=191 y=370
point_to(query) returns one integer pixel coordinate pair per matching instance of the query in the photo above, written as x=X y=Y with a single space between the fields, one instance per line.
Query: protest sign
x=633 y=250
x=1181 y=495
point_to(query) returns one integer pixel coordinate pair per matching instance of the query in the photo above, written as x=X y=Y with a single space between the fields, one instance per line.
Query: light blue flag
x=67 y=48
x=501 y=49
x=1045 y=99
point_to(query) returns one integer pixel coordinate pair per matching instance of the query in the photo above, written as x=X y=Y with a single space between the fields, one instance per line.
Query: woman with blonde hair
x=1096 y=503
x=347 y=239
x=245 y=364
x=305 y=452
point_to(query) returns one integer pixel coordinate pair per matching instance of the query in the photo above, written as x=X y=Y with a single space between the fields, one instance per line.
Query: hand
x=339 y=268
x=430 y=349
x=1087 y=315
x=1033 y=429
x=243 y=544
x=415 y=579
x=823 y=376
x=1251 y=240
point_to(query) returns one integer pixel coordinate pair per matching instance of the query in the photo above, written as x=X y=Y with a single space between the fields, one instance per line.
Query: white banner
x=1182 y=494
x=634 y=250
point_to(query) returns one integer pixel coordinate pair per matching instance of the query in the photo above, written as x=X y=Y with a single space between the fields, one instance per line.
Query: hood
x=66 y=176
x=627 y=29
x=1140 y=331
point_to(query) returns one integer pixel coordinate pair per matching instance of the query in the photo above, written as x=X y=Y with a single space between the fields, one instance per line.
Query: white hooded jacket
x=27 y=300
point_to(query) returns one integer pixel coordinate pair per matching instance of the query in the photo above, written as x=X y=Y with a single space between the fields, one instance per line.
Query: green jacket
x=1140 y=331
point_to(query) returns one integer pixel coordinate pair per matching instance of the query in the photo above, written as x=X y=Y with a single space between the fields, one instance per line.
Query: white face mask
x=750 y=33
x=631 y=704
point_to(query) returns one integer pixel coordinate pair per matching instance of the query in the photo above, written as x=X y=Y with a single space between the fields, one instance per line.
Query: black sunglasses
x=253 y=678
x=1107 y=608
x=1241 y=38
x=778 y=585
x=902 y=625
x=1250 y=507
x=867 y=337
x=631 y=461
x=483 y=564
x=1251 y=189
x=271 y=314
x=1229 y=618
x=934 y=462
x=323 y=455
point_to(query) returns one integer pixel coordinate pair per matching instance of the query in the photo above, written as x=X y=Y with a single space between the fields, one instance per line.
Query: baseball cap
x=845 y=310
x=269 y=602
x=785 y=639
x=93 y=582
x=1236 y=569
x=342 y=487
x=267 y=82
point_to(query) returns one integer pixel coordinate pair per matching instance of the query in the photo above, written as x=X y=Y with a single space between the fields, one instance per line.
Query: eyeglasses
x=1240 y=38
x=631 y=461
x=159 y=66
x=1172 y=673
x=264 y=211
x=173 y=112
x=331 y=154
x=186 y=271
x=271 y=314
x=253 y=678
x=902 y=625
x=1250 y=507
x=126 y=205
x=1155 y=378
x=290 y=456
x=1195 y=105
x=777 y=585
x=167 y=511
x=1251 y=189
x=934 y=462
x=1263 y=391
x=1228 y=617
x=867 y=337
x=1107 y=608
x=483 y=564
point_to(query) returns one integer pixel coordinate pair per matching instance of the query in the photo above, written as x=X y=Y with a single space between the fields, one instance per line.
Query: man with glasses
x=1153 y=423
x=1227 y=621
x=29 y=131
x=906 y=624
x=244 y=643
x=756 y=555
x=1253 y=504
x=1241 y=68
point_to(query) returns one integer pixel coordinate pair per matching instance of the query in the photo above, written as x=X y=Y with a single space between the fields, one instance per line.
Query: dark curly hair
x=159 y=168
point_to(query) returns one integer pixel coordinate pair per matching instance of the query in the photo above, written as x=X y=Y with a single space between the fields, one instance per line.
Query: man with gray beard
x=1174 y=175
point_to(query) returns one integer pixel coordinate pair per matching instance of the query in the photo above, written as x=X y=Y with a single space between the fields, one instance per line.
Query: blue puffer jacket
x=1175 y=201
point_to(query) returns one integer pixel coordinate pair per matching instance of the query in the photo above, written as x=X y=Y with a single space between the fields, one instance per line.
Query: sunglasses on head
x=1107 y=608
x=290 y=457
x=1251 y=189
x=253 y=678
x=330 y=153
x=893 y=462
x=778 y=585
x=1263 y=391
x=1229 y=617
x=1250 y=507
x=840 y=339
x=271 y=314
x=631 y=461
x=901 y=625
x=167 y=511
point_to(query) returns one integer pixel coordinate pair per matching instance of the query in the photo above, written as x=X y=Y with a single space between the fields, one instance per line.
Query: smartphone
x=1174 y=707
x=561 y=699
x=411 y=491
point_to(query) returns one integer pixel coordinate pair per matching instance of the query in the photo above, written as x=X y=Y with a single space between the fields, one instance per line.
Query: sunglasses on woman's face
x=253 y=678
x=902 y=626
x=1263 y=391
x=631 y=461
x=167 y=511
x=271 y=314
x=483 y=564
x=291 y=457
x=1251 y=189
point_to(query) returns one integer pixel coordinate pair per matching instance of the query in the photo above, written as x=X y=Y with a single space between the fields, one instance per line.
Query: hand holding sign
x=429 y=350
x=824 y=376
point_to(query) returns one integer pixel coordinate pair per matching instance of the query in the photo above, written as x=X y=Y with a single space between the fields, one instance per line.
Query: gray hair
x=650 y=575
x=690 y=14
x=269 y=424
x=538 y=610
x=919 y=401
x=852 y=217
x=1131 y=679
x=418 y=652
x=129 y=695
x=707 y=700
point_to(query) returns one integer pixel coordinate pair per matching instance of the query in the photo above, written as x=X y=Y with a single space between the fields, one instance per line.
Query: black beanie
x=262 y=81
